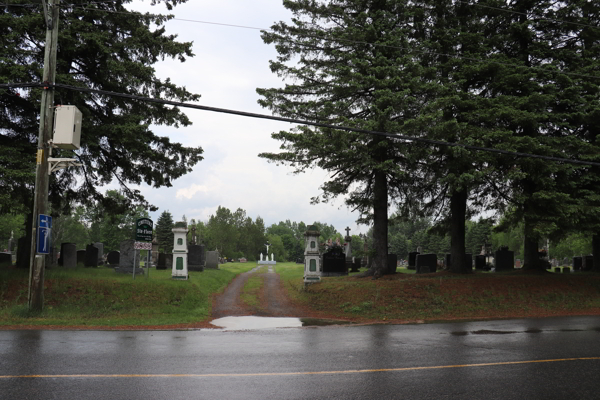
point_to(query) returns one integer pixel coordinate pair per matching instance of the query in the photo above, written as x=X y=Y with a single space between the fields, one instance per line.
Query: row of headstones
x=335 y=263
x=428 y=263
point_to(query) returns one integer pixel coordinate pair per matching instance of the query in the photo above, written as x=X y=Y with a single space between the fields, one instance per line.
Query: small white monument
x=180 y=251
x=266 y=260
x=312 y=257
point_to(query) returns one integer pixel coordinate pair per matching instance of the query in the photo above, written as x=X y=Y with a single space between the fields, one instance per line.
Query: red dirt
x=275 y=303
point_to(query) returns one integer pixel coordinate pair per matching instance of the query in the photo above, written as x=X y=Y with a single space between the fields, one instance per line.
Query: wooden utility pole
x=40 y=202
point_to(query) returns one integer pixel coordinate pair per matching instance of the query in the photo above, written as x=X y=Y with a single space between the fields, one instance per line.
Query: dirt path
x=273 y=301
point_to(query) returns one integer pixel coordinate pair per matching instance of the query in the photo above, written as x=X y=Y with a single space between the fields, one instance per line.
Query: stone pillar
x=180 y=251
x=312 y=256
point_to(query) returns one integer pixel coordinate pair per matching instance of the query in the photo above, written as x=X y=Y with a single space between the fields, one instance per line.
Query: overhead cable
x=301 y=122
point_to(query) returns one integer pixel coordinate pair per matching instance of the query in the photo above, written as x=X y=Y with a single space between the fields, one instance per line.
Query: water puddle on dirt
x=260 y=323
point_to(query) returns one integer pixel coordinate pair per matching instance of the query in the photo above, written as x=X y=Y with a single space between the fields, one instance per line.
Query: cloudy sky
x=229 y=64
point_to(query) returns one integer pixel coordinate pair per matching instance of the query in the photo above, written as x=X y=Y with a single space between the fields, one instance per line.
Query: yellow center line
x=257 y=374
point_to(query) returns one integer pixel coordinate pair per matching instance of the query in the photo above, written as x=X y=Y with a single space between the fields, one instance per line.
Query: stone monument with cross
x=267 y=260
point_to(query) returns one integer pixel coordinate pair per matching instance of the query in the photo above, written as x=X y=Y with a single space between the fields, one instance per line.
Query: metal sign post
x=143 y=241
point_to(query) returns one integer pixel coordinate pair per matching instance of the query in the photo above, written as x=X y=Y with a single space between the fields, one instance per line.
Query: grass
x=252 y=288
x=406 y=296
x=101 y=297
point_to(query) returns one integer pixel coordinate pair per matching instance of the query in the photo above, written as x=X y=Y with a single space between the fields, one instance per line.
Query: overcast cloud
x=229 y=64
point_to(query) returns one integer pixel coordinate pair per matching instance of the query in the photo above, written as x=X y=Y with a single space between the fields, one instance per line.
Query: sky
x=229 y=64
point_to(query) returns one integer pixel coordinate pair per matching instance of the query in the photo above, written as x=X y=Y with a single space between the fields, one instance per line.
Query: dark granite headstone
x=162 y=261
x=356 y=264
x=80 y=256
x=412 y=259
x=392 y=263
x=68 y=254
x=479 y=261
x=126 y=253
x=91 y=256
x=112 y=258
x=5 y=259
x=100 y=247
x=169 y=260
x=23 y=252
x=426 y=263
x=469 y=261
x=212 y=260
x=334 y=262
x=577 y=263
x=587 y=263
x=505 y=259
x=195 y=257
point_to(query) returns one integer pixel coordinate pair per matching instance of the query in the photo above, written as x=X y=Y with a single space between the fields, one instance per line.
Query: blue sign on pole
x=43 y=234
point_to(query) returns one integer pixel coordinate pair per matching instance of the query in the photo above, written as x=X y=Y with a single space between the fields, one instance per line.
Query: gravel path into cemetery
x=273 y=301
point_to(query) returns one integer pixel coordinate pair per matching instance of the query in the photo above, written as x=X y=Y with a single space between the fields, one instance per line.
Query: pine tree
x=101 y=46
x=163 y=232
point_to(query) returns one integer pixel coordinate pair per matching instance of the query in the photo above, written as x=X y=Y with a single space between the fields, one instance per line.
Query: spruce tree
x=163 y=232
x=101 y=45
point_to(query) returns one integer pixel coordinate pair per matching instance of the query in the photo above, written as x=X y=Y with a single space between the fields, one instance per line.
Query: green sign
x=143 y=230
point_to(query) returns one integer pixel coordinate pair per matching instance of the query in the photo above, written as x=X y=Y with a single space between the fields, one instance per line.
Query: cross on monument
x=347 y=231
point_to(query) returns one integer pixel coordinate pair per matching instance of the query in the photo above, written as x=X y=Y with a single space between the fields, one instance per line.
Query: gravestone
x=23 y=252
x=243 y=260
x=468 y=261
x=112 y=258
x=80 y=256
x=505 y=259
x=356 y=264
x=334 y=262
x=412 y=259
x=68 y=253
x=577 y=263
x=212 y=260
x=518 y=263
x=426 y=263
x=126 y=258
x=162 y=261
x=480 y=262
x=126 y=253
x=100 y=247
x=565 y=261
x=392 y=263
x=566 y=270
x=5 y=259
x=91 y=256
x=587 y=263
x=195 y=257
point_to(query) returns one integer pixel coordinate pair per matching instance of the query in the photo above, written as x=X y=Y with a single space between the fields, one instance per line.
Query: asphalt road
x=556 y=358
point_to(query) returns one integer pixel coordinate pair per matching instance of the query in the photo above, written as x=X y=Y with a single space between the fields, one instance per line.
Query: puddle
x=261 y=323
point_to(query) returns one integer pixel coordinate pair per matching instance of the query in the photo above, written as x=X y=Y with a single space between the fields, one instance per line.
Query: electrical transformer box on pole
x=67 y=127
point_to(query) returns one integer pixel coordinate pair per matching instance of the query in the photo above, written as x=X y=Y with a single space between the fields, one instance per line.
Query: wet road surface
x=557 y=358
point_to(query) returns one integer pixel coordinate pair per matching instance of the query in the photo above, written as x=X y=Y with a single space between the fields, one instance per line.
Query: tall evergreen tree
x=163 y=231
x=101 y=45
x=348 y=63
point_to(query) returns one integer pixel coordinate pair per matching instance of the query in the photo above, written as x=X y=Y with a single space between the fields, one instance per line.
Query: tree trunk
x=380 y=224
x=530 y=248
x=596 y=252
x=458 y=210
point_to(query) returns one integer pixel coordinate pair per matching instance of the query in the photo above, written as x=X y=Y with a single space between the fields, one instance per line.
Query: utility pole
x=40 y=202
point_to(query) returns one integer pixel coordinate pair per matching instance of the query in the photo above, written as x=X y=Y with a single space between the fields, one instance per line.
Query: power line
x=301 y=122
